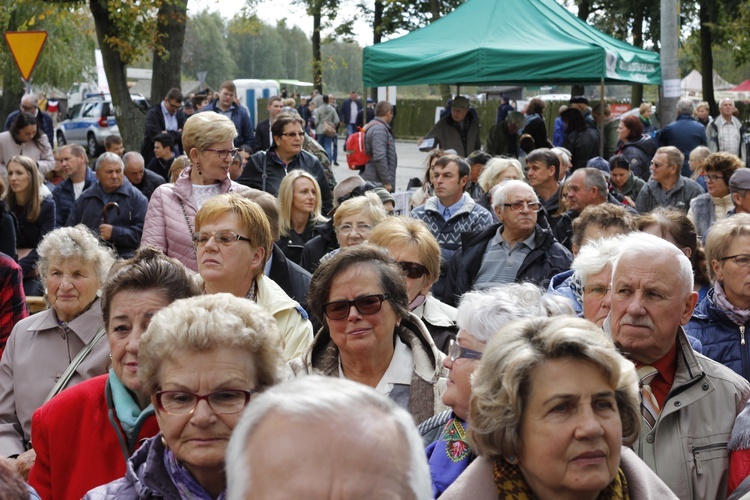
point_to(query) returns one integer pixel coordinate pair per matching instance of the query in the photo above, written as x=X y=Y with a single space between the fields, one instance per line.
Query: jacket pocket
x=704 y=450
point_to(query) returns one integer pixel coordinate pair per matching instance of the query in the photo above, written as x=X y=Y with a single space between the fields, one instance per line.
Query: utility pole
x=670 y=75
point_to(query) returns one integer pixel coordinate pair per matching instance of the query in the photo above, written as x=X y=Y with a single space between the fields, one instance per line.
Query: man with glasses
x=164 y=118
x=226 y=105
x=515 y=250
x=29 y=105
x=667 y=188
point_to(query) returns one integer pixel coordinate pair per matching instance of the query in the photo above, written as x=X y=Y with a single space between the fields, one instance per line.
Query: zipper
x=742 y=335
x=708 y=447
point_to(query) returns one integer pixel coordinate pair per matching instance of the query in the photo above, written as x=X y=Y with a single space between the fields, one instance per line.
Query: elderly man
x=380 y=144
x=515 y=250
x=586 y=187
x=458 y=131
x=112 y=207
x=263 y=139
x=164 y=118
x=346 y=440
x=689 y=402
x=502 y=139
x=667 y=187
x=726 y=133
x=79 y=178
x=739 y=187
x=29 y=105
x=685 y=133
x=143 y=180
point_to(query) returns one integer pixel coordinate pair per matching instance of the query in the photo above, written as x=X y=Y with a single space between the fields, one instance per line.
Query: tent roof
x=693 y=82
x=742 y=87
x=507 y=41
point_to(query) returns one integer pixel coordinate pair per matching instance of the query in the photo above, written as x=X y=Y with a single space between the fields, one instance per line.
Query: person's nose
x=447 y=363
x=354 y=314
x=636 y=306
x=203 y=414
x=588 y=425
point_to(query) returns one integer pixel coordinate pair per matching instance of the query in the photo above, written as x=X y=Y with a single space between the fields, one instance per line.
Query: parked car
x=91 y=121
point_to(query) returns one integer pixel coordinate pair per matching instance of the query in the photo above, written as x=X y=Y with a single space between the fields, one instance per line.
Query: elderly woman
x=417 y=252
x=636 y=148
x=368 y=334
x=299 y=212
x=233 y=242
x=62 y=346
x=25 y=138
x=593 y=266
x=35 y=217
x=480 y=316
x=707 y=208
x=200 y=361
x=720 y=320
x=354 y=219
x=119 y=414
x=552 y=405
x=208 y=139
x=496 y=171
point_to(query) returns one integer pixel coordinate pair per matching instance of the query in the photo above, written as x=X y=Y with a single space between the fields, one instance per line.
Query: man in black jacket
x=515 y=250
x=165 y=117
x=263 y=139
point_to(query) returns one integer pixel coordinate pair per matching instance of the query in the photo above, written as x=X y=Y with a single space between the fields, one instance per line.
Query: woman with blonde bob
x=299 y=212
x=201 y=361
x=552 y=405
x=417 y=253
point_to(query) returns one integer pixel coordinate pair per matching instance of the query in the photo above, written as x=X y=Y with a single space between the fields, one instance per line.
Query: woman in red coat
x=84 y=435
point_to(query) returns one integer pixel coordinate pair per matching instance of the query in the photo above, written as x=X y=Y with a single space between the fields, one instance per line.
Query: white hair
x=315 y=398
x=563 y=154
x=595 y=255
x=648 y=245
x=499 y=193
x=109 y=158
x=484 y=313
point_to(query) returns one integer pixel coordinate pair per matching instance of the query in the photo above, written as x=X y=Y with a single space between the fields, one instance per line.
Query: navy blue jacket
x=345 y=110
x=127 y=224
x=686 y=134
x=65 y=197
x=241 y=119
x=722 y=339
x=46 y=123
x=31 y=233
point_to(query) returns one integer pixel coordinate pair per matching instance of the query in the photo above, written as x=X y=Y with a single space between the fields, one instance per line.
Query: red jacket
x=78 y=447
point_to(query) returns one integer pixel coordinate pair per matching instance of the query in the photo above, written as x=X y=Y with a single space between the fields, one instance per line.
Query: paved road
x=411 y=163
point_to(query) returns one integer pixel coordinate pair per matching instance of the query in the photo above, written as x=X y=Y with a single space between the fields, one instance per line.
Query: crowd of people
x=224 y=320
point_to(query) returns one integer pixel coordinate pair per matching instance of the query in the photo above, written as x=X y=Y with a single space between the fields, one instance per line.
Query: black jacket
x=154 y=126
x=317 y=247
x=294 y=280
x=547 y=259
x=262 y=139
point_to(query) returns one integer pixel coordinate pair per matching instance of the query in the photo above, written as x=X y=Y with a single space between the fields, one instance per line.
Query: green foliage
x=408 y=15
x=133 y=27
x=206 y=49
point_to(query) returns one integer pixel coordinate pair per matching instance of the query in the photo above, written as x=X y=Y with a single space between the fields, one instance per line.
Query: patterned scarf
x=185 y=483
x=739 y=317
x=449 y=456
x=511 y=484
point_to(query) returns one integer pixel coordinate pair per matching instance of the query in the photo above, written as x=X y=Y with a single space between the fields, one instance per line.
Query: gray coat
x=652 y=195
x=326 y=112
x=381 y=145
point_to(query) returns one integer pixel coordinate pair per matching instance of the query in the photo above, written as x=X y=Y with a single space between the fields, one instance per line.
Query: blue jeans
x=351 y=128
x=327 y=143
x=335 y=141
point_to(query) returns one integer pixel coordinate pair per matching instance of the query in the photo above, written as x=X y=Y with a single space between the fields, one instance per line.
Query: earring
x=198 y=168
x=164 y=442
x=511 y=459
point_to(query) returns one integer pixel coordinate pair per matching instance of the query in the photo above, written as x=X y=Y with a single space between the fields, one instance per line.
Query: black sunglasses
x=369 y=304
x=412 y=270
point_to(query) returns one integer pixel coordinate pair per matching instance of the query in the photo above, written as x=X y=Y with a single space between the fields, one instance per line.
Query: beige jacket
x=37 y=353
x=294 y=327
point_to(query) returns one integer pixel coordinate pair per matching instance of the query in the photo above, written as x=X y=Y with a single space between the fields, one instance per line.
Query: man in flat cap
x=458 y=131
x=580 y=103
x=739 y=188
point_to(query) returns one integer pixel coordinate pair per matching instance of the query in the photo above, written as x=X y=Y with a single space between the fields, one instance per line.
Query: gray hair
x=563 y=154
x=494 y=169
x=134 y=156
x=594 y=178
x=594 y=257
x=109 y=158
x=648 y=245
x=484 y=313
x=499 y=193
x=685 y=107
x=77 y=242
x=315 y=398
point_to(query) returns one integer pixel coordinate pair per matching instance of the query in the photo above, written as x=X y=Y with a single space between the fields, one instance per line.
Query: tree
x=206 y=49
x=167 y=57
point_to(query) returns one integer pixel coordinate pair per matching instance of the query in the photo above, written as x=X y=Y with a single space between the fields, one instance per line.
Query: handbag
x=73 y=366
x=329 y=129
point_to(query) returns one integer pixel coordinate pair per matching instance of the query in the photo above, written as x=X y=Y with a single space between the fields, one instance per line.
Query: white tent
x=692 y=84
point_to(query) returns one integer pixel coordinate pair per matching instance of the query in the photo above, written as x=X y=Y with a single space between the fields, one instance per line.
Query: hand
x=388 y=187
x=630 y=201
x=24 y=463
x=419 y=141
x=105 y=231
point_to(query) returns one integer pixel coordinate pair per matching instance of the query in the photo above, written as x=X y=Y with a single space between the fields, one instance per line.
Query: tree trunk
x=317 y=62
x=636 y=91
x=707 y=58
x=130 y=119
x=377 y=37
x=167 y=63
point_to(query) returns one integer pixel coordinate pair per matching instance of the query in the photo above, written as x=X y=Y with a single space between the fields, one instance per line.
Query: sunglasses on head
x=412 y=270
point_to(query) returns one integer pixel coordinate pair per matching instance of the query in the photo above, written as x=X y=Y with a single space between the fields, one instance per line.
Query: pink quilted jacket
x=165 y=226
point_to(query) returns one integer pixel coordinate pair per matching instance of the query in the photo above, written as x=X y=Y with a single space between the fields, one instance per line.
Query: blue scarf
x=184 y=481
x=128 y=412
x=449 y=456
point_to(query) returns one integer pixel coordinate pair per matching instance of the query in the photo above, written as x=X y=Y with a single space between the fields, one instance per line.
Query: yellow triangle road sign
x=25 y=47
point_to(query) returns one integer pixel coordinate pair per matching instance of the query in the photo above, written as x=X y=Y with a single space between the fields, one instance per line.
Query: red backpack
x=356 y=157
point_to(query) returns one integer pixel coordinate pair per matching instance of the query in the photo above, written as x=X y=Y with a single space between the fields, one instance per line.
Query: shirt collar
x=667 y=365
x=453 y=209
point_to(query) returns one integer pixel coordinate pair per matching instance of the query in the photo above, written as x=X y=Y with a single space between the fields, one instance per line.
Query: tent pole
x=601 y=123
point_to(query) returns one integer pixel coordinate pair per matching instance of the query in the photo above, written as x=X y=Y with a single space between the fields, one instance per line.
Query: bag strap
x=73 y=366
x=187 y=221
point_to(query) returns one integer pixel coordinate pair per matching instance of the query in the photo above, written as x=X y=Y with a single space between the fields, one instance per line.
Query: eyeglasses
x=223 y=402
x=455 y=352
x=412 y=270
x=28 y=108
x=369 y=304
x=657 y=165
x=174 y=106
x=596 y=291
x=224 y=153
x=713 y=178
x=741 y=259
x=346 y=229
x=517 y=206
x=225 y=238
x=293 y=134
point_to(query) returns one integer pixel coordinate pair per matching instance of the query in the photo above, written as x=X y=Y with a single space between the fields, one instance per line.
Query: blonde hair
x=286 y=199
x=203 y=130
x=494 y=169
x=33 y=204
x=368 y=204
x=402 y=231
x=178 y=165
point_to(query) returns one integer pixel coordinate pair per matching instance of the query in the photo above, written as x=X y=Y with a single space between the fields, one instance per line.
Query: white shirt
x=399 y=370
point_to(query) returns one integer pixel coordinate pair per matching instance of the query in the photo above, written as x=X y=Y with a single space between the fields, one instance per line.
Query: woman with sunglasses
x=417 y=252
x=200 y=361
x=480 y=316
x=208 y=141
x=368 y=333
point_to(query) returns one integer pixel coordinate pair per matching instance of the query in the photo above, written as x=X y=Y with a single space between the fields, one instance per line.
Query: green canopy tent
x=508 y=41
